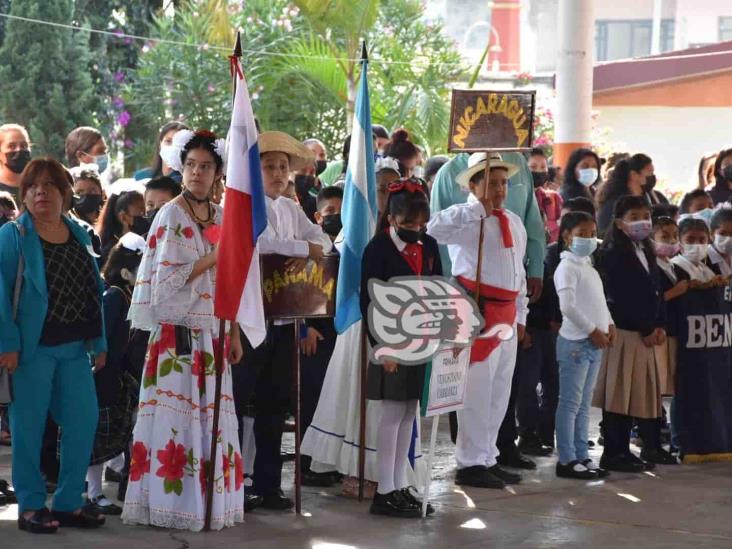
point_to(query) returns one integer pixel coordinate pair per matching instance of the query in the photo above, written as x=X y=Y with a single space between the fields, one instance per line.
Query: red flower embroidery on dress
x=140 y=462
x=227 y=472
x=238 y=472
x=167 y=338
x=199 y=368
x=212 y=233
x=187 y=232
x=161 y=232
x=172 y=461
x=151 y=367
x=203 y=475
x=152 y=242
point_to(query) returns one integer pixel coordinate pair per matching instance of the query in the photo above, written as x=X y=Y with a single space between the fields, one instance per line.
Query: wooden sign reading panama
x=307 y=294
x=483 y=120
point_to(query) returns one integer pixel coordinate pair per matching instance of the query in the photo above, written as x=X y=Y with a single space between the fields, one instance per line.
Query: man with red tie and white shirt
x=503 y=300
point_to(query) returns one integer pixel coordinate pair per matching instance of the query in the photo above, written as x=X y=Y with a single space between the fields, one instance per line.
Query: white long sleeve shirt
x=459 y=228
x=581 y=298
x=289 y=230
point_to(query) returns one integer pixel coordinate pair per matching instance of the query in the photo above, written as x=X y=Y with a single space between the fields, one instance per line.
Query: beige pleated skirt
x=629 y=381
x=666 y=360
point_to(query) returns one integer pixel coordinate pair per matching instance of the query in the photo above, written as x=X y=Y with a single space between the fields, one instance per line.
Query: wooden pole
x=219 y=367
x=362 y=411
x=481 y=235
x=298 y=468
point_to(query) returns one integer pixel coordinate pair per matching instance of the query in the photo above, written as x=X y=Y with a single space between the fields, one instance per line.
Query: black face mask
x=88 y=204
x=303 y=184
x=140 y=225
x=150 y=216
x=727 y=173
x=650 y=183
x=332 y=224
x=409 y=236
x=539 y=178
x=17 y=161
x=320 y=166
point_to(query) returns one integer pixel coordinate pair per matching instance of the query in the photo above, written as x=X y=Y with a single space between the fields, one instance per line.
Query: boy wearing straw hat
x=503 y=300
x=266 y=372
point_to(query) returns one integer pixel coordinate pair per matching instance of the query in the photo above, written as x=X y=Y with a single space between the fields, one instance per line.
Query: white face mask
x=418 y=171
x=587 y=176
x=695 y=252
x=723 y=244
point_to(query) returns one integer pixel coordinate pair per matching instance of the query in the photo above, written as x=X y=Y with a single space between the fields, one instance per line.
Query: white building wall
x=675 y=138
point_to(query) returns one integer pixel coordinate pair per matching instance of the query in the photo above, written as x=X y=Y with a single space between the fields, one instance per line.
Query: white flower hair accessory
x=76 y=171
x=386 y=163
x=171 y=154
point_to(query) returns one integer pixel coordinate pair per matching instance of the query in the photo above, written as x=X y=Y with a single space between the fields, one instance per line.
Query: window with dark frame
x=626 y=38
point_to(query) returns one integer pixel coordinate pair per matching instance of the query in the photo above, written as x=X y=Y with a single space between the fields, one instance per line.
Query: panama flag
x=359 y=209
x=238 y=283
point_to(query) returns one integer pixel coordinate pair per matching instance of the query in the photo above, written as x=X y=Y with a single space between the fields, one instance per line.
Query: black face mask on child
x=140 y=225
x=332 y=224
x=410 y=236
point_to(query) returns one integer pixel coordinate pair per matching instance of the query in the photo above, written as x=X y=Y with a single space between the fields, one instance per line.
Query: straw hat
x=476 y=163
x=300 y=156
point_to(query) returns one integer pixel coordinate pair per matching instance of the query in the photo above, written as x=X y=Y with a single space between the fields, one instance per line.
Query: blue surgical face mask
x=706 y=214
x=588 y=176
x=102 y=161
x=583 y=247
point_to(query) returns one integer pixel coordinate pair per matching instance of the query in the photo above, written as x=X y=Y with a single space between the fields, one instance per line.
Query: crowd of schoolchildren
x=137 y=259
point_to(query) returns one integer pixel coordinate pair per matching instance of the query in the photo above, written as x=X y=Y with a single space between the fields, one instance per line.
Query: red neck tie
x=505 y=228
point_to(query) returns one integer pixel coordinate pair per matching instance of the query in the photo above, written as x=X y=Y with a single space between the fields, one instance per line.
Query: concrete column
x=573 y=117
x=656 y=28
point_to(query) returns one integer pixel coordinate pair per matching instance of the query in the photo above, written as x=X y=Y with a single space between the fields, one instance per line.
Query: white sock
x=392 y=412
x=94 y=480
x=404 y=441
x=117 y=464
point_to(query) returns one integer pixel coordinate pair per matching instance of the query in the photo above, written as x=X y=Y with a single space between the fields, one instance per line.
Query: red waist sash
x=498 y=307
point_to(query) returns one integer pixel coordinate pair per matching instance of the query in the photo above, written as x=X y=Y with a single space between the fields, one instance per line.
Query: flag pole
x=219 y=367
x=486 y=175
x=364 y=363
x=298 y=421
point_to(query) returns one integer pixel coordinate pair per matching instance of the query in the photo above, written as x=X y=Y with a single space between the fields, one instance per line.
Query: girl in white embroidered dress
x=174 y=300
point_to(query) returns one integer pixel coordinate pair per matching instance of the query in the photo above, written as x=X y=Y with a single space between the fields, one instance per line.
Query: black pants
x=616 y=432
x=538 y=363
x=313 y=369
x=262 y=387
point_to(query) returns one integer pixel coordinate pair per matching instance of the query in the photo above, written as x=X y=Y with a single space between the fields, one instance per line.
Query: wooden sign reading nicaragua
x=309 y=293
x=497 y=120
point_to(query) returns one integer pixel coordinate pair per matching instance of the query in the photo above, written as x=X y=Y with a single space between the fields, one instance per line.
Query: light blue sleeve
x=522 y=201
x=9 y=255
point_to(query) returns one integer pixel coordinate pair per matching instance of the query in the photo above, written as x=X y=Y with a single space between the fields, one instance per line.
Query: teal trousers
x=58 y=380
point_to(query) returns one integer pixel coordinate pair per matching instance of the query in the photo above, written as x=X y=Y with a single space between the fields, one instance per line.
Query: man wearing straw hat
x=266 y=372
x=501 y=286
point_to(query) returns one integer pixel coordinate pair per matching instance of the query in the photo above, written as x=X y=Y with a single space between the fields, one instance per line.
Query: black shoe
x=621 y=464
x=251 y=502
x=394 y=504
x=647 y=465
x=515 y=460
x=601 y=473
x=86 y=518
x=506 y=476
x=576 y=470
x=38 y=523
x=590 y=443
x=600 y=441
x=660 y=456
x=277 y=502
x=96 y=505
x=478 y=476
x=7 y=492
x=110 y=475
x=532 y=446
x=411 y=498
x=322 y=480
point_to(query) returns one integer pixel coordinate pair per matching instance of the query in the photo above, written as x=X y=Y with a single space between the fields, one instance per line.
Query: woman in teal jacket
x=47 y=343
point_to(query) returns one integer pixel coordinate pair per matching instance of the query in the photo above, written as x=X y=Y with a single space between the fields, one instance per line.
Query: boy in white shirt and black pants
x=503 y=300
x=265 y=373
